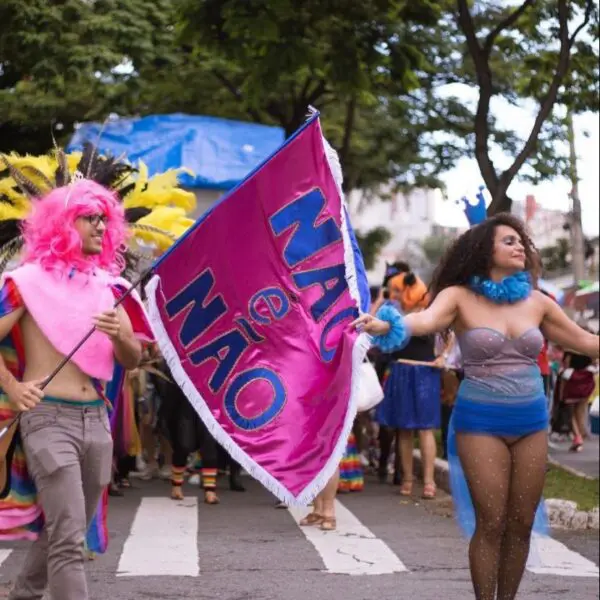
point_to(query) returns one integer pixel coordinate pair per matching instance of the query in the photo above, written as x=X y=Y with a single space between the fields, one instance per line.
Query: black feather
x=61 y=175
x=133 y=215
x=9 y=230
x=26 y=186
x=106 y=171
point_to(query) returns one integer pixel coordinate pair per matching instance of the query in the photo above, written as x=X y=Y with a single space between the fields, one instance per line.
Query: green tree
x=371 y=244
x=277 y=57
x=556 y=258
x=357 y=62
x=434 y=247
x=545 y=53
x=67 y=60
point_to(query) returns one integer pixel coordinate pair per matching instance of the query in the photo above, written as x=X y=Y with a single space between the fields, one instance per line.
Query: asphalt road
x=245 y=549
x=586 y=461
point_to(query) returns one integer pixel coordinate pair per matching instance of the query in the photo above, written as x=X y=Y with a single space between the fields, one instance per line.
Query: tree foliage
x=545 y=53
x=434 y=247
x=357 y=62
x=382 y=72
x=372 y=243
x=71 y=60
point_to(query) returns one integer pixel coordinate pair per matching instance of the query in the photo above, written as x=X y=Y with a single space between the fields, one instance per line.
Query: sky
x=465 y=178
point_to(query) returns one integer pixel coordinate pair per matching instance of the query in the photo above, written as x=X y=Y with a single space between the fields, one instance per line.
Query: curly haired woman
x=484 y=290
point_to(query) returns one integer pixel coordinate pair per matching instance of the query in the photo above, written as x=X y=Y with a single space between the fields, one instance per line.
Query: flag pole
x=83 y=340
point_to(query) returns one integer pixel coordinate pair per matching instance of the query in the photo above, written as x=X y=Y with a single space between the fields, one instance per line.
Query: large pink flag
x=251 y=310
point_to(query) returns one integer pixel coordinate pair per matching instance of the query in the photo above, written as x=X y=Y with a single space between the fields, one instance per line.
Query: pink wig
x=52 y=240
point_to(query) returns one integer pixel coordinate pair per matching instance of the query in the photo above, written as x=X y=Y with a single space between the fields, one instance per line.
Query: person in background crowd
x=577 y=385
x=412 y=389
x=449 y=349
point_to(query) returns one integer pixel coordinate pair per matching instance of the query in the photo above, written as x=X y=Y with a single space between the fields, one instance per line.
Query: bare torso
x=41 y=359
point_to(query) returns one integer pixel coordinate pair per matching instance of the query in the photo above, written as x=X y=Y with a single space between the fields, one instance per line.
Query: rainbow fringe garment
x=351 y=471
x=21 y=516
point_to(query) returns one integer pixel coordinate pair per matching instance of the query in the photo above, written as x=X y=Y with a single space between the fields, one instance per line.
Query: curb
x=570 y=470
x=562 y=514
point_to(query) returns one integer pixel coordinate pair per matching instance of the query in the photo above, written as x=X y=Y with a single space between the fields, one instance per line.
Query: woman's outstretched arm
x=562 y=330
x=438 y=317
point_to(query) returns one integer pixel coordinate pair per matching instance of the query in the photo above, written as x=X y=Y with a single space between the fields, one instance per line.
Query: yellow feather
x=169 y=219
x=73 y=160
x=160 y=190
x=9 y=190
x=9 y=212
x=171 y=197
x=141 y=178
x=166 y=180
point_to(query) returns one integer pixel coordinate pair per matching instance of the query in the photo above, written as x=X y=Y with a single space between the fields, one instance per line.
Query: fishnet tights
x=506 y=480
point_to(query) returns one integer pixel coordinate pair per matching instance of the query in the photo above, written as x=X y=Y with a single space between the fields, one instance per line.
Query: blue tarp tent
x=220 y=152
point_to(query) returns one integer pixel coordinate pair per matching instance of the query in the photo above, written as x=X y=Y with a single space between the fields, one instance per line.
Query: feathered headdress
x=156 y=208
x=475 y=213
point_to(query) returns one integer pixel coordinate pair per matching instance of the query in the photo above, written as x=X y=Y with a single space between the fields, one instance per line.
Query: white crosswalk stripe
x=4 y=554
x=550 y=557
x=352 y=549
x=163 y=542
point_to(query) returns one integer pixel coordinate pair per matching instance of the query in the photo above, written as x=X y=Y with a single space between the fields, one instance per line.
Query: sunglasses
x=95 y=220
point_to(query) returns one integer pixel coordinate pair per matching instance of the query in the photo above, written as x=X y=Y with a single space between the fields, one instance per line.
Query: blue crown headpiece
x=475 y=213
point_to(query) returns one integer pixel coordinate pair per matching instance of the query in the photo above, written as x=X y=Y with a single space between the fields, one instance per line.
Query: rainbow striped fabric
x=21 y=516
x=351 y=470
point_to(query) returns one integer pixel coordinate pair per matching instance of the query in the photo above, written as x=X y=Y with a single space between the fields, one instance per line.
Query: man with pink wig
x=67 y=282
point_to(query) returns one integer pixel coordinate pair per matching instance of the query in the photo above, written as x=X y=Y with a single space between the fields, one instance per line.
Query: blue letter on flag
x=200 y=315
x=308 y=237
x=333 y=282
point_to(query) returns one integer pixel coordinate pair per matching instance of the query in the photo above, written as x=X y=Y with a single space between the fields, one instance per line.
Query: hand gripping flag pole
x=6 y=428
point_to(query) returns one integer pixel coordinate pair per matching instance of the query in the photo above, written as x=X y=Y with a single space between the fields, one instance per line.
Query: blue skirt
x=412 y=398
x=496 y=419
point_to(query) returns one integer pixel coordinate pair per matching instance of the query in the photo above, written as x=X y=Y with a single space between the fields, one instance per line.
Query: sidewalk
x=586 y=461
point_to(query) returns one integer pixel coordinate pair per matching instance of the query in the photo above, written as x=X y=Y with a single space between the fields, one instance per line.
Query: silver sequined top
x=501 y=369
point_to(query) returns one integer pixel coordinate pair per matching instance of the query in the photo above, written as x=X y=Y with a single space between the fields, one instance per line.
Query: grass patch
x=561 y=484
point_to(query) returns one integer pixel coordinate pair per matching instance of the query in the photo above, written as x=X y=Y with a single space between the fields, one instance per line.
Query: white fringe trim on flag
x=359 y=351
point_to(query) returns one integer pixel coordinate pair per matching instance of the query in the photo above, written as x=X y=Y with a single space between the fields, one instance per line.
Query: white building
x=410 y=218
x=545 y=225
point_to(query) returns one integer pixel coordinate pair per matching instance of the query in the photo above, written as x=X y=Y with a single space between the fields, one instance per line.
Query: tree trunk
x=501 y=201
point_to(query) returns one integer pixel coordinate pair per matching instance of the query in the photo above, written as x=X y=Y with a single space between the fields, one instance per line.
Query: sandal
x=406 y=488
x=176 y=493
x=429 y=491
x=328 y=524
x=210 y=497
x=311 y=519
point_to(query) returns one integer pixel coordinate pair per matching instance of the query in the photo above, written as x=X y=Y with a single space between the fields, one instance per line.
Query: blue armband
x=398 y=336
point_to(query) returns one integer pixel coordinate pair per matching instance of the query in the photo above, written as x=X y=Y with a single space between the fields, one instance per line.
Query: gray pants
x=69 y=456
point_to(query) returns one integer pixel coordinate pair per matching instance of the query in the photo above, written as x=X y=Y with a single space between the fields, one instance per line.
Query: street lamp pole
x=576 y=228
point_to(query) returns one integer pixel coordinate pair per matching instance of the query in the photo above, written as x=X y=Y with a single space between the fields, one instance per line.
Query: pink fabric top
x=63 y=306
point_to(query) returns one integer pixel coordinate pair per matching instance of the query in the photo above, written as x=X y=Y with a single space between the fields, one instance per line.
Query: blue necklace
x=510 y=290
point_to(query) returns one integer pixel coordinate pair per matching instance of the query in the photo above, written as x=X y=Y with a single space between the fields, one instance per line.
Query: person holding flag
x=269 y=364
x=64 y=223
x=66 y=284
